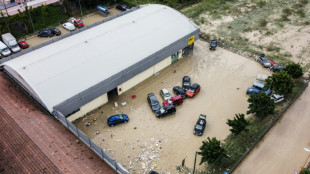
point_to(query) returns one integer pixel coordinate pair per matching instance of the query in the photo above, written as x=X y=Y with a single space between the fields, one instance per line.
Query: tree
x=44 y=12
x=305 y=171
x=211 y=150
x=238 y=124
x=282 y=83
x=294 y=70
x=260 y=104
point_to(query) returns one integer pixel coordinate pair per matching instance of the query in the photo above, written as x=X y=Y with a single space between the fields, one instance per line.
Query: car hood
x=155 y=108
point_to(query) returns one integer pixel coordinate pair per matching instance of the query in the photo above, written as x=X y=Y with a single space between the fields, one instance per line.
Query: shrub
x=272 y=47
x=263 y=22
x=294 y=70
x=260 y=104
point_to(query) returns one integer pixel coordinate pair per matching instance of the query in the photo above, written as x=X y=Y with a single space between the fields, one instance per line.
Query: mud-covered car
x=117 y=119
x=179 y=91
x=45 y=33
x=200 y=125
x=165 y=110
x=277 y=68
x=121 y=7
x=55 y=31
x=193 y=90
x=153 y=102
x=264 y=61
x=186 y=84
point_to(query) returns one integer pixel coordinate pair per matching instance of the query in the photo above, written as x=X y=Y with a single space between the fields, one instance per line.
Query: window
x=174 y=56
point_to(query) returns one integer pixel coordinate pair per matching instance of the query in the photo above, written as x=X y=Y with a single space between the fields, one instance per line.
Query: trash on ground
x=87 y=124
x=115 y=104
x=133 y=96
x=124 y=104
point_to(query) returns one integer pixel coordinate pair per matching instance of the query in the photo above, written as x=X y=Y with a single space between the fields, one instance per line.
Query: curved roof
x=58 y=71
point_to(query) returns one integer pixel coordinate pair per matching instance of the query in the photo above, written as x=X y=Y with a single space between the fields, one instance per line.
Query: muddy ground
x=282 y=149
x=146 y=141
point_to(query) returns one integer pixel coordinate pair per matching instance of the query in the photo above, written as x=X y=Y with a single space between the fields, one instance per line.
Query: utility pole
x=195 y=163
x=81 y=9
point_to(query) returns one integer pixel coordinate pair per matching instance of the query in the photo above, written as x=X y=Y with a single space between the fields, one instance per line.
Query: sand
x=224 y=78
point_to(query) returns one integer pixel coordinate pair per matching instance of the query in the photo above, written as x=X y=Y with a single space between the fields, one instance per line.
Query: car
x=68 y=26
x=186 y=84
x=45 y=33
x=277 y=68
x=179 y=91
x=121 y=7
x=153 y=172
x=200 y=125
x=264 y=61
x=117 y=119
x=213 y=45
x=153 y=102
x=23 y=44
x=277 y=98
x=76 y=22
x=103 y=10
x=55 y=31
x=165 y=94
x=195 y=88
x=176 y=100
x=259 y=87
x=165 y=110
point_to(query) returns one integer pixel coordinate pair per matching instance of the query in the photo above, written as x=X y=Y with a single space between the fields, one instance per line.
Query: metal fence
x=93 y=146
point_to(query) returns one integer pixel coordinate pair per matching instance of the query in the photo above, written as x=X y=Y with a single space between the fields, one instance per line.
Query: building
x=77 y=74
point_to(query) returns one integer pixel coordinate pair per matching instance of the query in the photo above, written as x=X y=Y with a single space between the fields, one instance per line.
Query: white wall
x=89 y=107
x=144 y=75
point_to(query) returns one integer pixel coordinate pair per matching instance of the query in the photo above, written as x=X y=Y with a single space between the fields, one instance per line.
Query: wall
x=143 y=75
x=89 y=107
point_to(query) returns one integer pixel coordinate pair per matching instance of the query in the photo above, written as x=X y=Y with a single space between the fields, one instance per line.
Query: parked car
x=10 y=41
x=68 y=26
x=179 y=91
x=117 y=119
x=165 y=110
x=200 y=125
x=213 y=45
x=121 y=7
x=55 y=31
x=103 y=10
x=165 y=94
x=277 y=68
x=277 y=98
x=5 y=51
x=195 y=88
x=45 y=33
x=186 y=83
x=23 y=44
x=153 y=102
x=264 y=61
x=259 y=87
x=176 y=100
x=76 y=22
x=153 y=172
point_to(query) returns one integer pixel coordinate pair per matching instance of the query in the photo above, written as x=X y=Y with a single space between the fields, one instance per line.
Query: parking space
x=87 y=20
x=147 y=142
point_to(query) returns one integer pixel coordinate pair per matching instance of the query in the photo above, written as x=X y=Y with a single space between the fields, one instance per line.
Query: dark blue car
x=117 y=119
x=45 y=33
x=257 y=88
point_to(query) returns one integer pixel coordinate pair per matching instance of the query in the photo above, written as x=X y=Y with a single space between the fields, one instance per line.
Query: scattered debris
x=87 y=124
x=133 y=96
x=131 y=108
x=95 y=119
x=135 y=128
x=96 y=132
x=115 y=104
x=124 y=104
x=118 y=140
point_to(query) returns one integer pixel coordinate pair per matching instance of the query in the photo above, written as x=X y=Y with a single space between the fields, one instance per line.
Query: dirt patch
x=146 y=142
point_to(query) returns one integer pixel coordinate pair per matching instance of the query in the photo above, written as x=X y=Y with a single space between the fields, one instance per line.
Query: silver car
x=264 y=61
x=165 y=94
x=277 y=98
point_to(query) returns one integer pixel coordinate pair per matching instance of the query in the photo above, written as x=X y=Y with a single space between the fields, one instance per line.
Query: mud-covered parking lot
x=145 y=141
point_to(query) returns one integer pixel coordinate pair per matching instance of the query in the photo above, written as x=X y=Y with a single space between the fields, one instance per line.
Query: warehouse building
x=76 y=74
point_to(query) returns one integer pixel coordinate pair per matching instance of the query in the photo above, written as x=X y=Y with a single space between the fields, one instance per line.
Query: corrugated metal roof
x=63 y=69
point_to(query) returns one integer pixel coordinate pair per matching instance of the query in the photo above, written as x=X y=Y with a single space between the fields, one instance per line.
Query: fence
x=93 y=146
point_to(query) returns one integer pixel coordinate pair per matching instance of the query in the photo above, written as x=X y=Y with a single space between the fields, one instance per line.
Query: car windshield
x=198 y=126
x=162 y=110
x=154 y=103
x=167 y=95
x=265 y=60
x=5 y=49
x=186 y=84
x=14 y=45
x=78 y=22
x=121 y=117
x=191 y=90
x=213 y=43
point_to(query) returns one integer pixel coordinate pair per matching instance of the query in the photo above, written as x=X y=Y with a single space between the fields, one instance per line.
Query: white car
x=68 y=26
x=277 y=98
x=165 y=94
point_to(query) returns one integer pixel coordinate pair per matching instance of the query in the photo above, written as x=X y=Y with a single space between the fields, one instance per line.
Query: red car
x=23 y=44
x=76 y=22
x=195 y=88
x=176 y=100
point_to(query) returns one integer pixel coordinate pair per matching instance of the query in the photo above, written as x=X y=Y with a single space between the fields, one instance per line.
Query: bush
x=301 y=13
x=263 y=22
x=260 y=104
x=261 y=3
x=272 y=47
x=282 y=83
x=294 y=70
x=287 y=11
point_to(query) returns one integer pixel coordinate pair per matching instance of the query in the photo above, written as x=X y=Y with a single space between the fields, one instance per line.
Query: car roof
x=195 y=85
x=186 y=77
x=258 y=84
x=165 y=90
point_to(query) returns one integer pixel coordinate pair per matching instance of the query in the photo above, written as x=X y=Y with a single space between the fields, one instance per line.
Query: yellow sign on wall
x=191 y=40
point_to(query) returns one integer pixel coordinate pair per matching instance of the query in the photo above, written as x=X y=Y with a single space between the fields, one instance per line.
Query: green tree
x=305 y=171
x=238 y=124
x=282 y=83
x=294 y=70
x=260 y=104
x=211 y=150
x=44 y=12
